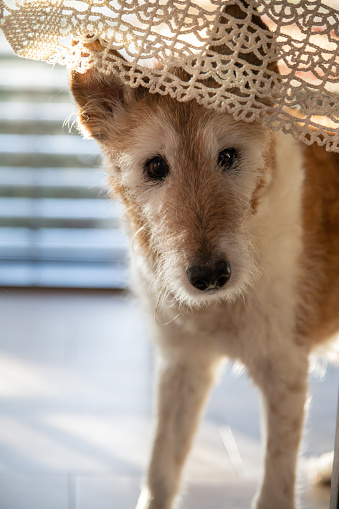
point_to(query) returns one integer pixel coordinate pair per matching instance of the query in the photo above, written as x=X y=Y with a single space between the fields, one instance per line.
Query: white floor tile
x=106 y=493
x=213 y=495
x=29 y=492
x=76 y=397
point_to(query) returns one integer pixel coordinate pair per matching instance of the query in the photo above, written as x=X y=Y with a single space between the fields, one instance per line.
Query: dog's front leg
x=283 y=383
x=182 y=390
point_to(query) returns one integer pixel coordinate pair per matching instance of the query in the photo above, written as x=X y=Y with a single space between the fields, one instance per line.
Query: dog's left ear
x=98 y=96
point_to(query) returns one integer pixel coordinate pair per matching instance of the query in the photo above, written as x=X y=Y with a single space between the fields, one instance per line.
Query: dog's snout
x=209 y=276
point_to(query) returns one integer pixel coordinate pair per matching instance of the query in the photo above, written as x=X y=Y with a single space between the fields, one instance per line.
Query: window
x=57 y=227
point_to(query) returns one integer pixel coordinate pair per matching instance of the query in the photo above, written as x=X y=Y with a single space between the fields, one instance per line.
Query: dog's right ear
x=98 y=96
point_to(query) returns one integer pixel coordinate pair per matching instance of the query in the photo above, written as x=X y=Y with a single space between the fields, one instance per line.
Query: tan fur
x=321 y=237
x=273 y=216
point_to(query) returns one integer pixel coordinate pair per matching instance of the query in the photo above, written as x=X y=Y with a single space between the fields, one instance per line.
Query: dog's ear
x=228 y=20
x=98 y=96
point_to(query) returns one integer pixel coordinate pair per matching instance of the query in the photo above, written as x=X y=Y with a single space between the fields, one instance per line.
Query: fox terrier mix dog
x=235 y=233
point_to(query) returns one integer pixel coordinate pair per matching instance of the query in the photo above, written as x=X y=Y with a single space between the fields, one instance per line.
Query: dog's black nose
x=209 y=275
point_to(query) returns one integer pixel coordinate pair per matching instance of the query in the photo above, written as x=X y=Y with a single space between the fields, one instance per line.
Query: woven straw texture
x=227 y=52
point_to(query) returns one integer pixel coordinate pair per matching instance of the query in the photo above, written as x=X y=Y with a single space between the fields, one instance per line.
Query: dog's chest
x=253 y=325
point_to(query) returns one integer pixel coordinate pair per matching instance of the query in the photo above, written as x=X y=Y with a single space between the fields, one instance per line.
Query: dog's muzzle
x=209 y=275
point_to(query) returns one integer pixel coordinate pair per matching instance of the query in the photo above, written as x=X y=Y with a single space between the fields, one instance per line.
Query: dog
x=235 y=243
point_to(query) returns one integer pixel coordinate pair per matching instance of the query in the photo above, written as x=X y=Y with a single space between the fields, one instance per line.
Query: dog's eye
x=156 y=168
x=227 y=158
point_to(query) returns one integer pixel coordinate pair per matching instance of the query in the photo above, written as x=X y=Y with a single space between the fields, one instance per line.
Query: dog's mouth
x=209 y=276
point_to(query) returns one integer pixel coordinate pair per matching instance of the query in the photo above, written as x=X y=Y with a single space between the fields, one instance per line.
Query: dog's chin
x=188 y=296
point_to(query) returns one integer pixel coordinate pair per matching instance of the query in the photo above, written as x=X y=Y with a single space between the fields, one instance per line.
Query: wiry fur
x=274 y=216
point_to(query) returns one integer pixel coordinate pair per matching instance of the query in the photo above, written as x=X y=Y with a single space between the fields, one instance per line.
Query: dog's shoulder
x=321 y=241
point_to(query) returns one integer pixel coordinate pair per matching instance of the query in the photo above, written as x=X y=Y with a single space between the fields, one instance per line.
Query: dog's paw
x=147 y=501
x=144 y=499
x=266 y=502
x=270 y=505
x=320 y=469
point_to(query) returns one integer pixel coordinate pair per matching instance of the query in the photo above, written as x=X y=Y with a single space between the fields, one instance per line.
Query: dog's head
x=191 y=179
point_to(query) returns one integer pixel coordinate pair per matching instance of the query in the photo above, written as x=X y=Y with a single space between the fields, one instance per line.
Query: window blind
x=57 y=226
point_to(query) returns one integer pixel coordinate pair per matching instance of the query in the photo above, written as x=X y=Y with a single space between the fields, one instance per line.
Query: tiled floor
x=76 y=407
